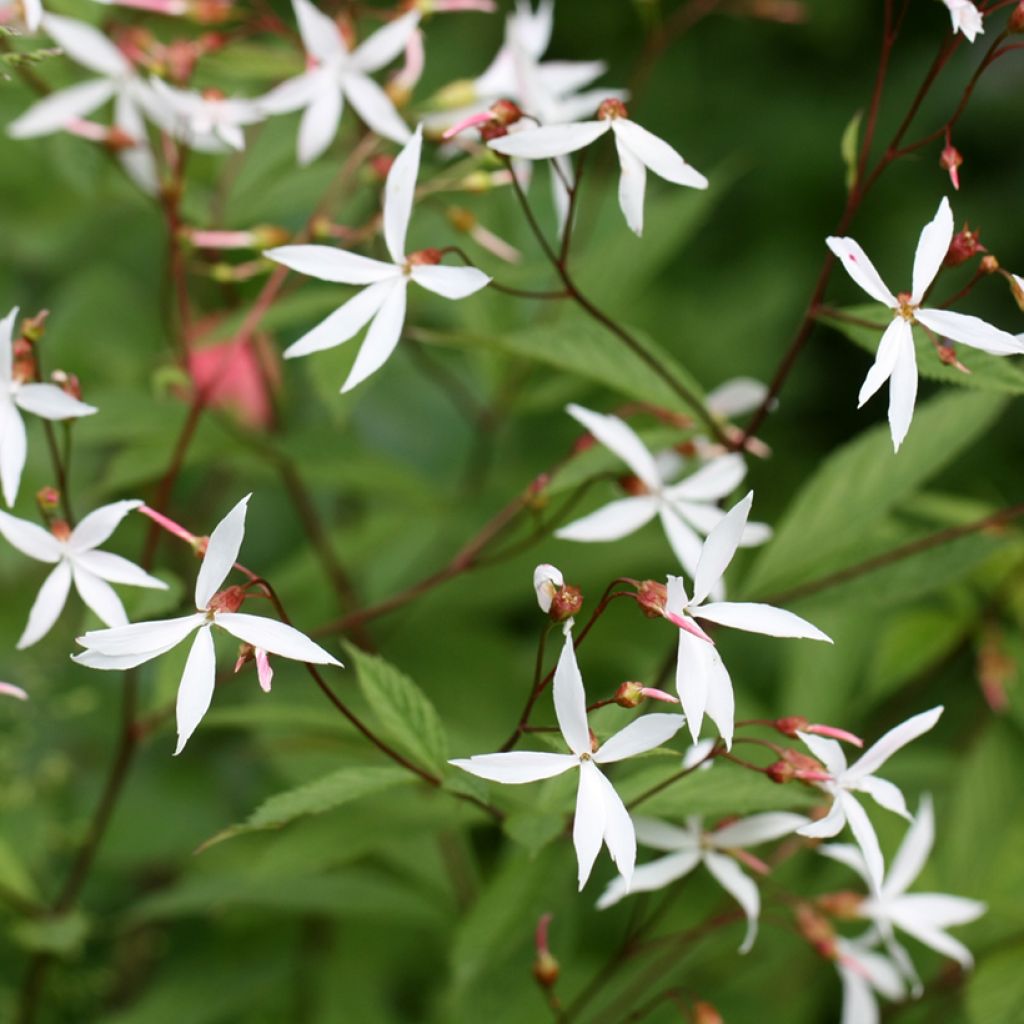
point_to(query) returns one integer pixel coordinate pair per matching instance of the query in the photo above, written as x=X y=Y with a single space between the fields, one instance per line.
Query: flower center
x=906 y=308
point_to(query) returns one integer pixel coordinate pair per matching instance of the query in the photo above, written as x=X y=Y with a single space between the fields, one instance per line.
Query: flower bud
x=950 y=160
x=227 y=600
x=505 y=112
x=610 y=109
x=966 y=245
x=633 y=485
x=536 y=494
x=61 y=529
x=989 y=264
x=34 y=327
x=1015 y=26
x=545 y=967
x=793 y=724
x=48 y=500
x=816 y=930
x=629 y=695
x=947 y=356
x=652 y=597
x=566 y=603
x=843 y=905
x=68 y=383
x=424 y=258
x=210 y=12
x=705 y=1013
x=380 y=165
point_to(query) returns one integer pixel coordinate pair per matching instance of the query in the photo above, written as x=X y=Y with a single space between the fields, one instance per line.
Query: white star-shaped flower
x=966 y=18
x=863 y=973
x=16 y=396
x=693 y=845
x=686 y=509
x=207 y=122
x=601 y=816
x=334 y=75
x=382 y=303
x=860 y=777
x=924 y=915
x=89 y=47
x=896 y=361
x=638 y=150
x=128 y=646
x=75 y=559
x=702 y=679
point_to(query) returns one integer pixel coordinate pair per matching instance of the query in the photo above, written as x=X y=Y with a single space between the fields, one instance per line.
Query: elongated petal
x=913 y=853
x=621 y=439
x=115 y=569
x=221 y=553
x=550 y=140
x=925 y=915
x=141 y=637
x=100 y=597
x=856 y=263
x=660 y=835
x=632 y=186
x=6 y=353
x=274 y=637
x=516 y=766
x=10 y=690
x=827 y=751
x=736 y=396
x=758 y=828
x=299 y=91
x=319 y=123
x=195 y=691
x=713 y=481
x=641 y=735
x=320 y=34
x=450 y=282
x=48 y=605
x=99 y=524
x=932 y=247
x=899 y=736
x=848 y=855
x=387 y=43
x=760 y=618
x=827 y=827
x=615 y=520
x=695 y=669
x=589 y=822
x=374 y=106
x=120 y=662
x=30 y=539
x=970 y=330
x=864 y=833
x=897 y=336
x=685 y=544
x=86 y=45
x=859 y=1003
x=902 y=394
x=330 y=264
x=399 y=194
x=52 y=113
x=885 y=794
x=570 y=700
x=13 y=449
x=345 y=322
x=619 y=836
x=719 y=548
x=657 y=154
x=50 y=402
x=721 y=706
x=563 y=77
x=651 y=877
x=384 y=334
x=743 y=890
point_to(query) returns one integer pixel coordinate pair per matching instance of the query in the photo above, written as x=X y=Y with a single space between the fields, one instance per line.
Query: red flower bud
x=566 y=602
x=966 y=245
x=950 y=160
x=816 y=930
x=228 y=600
x=505 y=112
x=424 y=257
x=610 y=109
x=48 y=499
x=705 y=1013
x=651 y=596
x=633 y=485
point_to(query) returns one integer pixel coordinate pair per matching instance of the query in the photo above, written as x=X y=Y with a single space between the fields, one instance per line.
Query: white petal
x=736 y=396
x=374 y=106
x=848 y=855
x=319 y=123
x=758 y=828
x=344 y=323
x=300 y=91
x=641 y=735
x=657 y=154
x=935 y=910
x=914 y=850
x=99 y=524
x=274 y=637
x=856 y=263
x=53 y=112
x=6 y=334
x=970 y=330
x=589 y=822
x=902 y=394
x=859 y=1003
x=885 y=794
x=399 y=194
x=30 y=539
x=571 y=700
x=385 y=44
x=330 y=264
x=932 y=247
x=615 y=520
x=651 y=877
x=221 y=553
x=713 y=481
x=864 y=833
x=50 y=402
x=619 y=836
x=450 y=282
x=13 y=448
x=695 y=671
x=827 y=827
x=320 y=34
x=898 y=335
x=899 y=736
x=141 y=637
x=721 y=706
x=195 y=691
x=550 y=140
x=829 y=752
x=742 y=889
x=685 y=544
x=115 y=569
x=621 y=439
x=516 y=766
x=563 y=77
x=48 y=605
x=659 y=835
x=760 y=618
x=100 y=597
x=384 y=334
x=137 y=161
x=720 y=547
x=632 y=186
x=546 y=579
x=86 y=45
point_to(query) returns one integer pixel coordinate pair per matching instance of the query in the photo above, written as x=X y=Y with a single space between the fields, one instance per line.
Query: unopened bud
x=545 y=967
x=816 y=930
x=68 y=383
x=843 y=905
x=461 y=219
x=246 y=653
x=210 y=12
x=652 y=597
x=633 y=485
x=424 y=258
x=950 y=160
x=566 y=603
x=989 y=264
x=505 y=112
x=33 y=328
x=227 y=600
x=610 y=109
x=629 y=695
x=1016 y=22
x=790 y=725
x=1017 y=289
x=947 y=356
x=536 y=494
x=48 y=499
x=996 y=669
x=61 y=529
x=966 y=245
x=380 y=165
x=780 y=772
x=705 y=1013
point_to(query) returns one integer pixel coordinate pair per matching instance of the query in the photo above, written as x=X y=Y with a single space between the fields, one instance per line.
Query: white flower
x=207 y=122
x=924 y=916
x=687 y=847
x=547 y=581
x=28 y=13
x=117 y=80
x=601 y=817
x=128 y=646
x=701 y=677
x=335 y=75
x=45 y=400
x=896 y=361
x=859 y=777
x=864 y=972
x=637 y=148
x=966 y=18
x=382 y=303
x=76 y=560
x=684 y=508
x=736 y=396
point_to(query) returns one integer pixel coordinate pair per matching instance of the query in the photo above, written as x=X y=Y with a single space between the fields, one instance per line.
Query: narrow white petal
x=970 y=330
x=859 y=1003
x=902 y=394
x=13 y=449
x=827 y=827
x=731 y=878
x=320 y=34
x=864 y=833
x=657 y=154
x=632 y=186
x=399 y=195
x=570 y=700
x=660 y=835
x=550 y=140
x=685 y=544
x=758 y=828
x=759 y=618
x=345 y=322
x=932 y=247
x=898 y=335
x=613 y=521
x=48 y=605
x=899 y=736
x=100 y=597
x=713 y=481
x=621 y=439
x=516 y=766
x=720 y=547
x=86 y=45
x=856 y=263
x=195 y=691
x=274 y=637
x=221 y=553
x=374 y=106
x=450 y=282
x=695 y=669
x=299 y=91
x=721 y=706
x=99 y=524
x=6 y=335
x=387 y=43
x=319 y=123
x=736 y=396
x=384 y=334
x=50 y=402
x=619 y=836
x=138 y=160
x=829 y=752
x=885 y=794
x=115 y=569
x=641 y=735
x=651 y=877
x=330 y=264
x=53 y=112
x=141 y=637
x=914 y=850
x=935 y=910
x=848 y=855
x=589 y=822
x=120 y=662
x=30 y=539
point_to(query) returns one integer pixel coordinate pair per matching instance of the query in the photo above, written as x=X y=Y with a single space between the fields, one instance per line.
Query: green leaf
x=403 y=713
x=60 y=936
x=995 y=991
x=14 y=876
x=848 y=148
x=857 y=486
x=988 y=373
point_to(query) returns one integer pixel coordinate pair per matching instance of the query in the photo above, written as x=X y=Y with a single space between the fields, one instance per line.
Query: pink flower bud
x=705 y=1013
x=966 y=245
x=10 y=690
x=842 y=905
x=424 y=258
x=227 y=600
x=545 y=967
x=610 y=109
x=792 y=724
x=816 y=930
x=48 y=500
x=950 y=160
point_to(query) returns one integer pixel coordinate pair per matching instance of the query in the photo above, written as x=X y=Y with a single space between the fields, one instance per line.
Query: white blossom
x=966 y=18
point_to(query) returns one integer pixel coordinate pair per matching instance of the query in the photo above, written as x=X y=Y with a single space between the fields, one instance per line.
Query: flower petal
x=660 y=835
x=827 y=827
x=138 y=160
x=913 y=852
x=760 y=618
x=848 y=855
x=885 y=794
x=516 y=766
x=641 y=735
x=13 y=449
x=856 y=263
x=721 y=706
x=695 y=672
x=384 y=334
x=221 y=553
x=274 y=637
x=345 y=322
x=859 y=1003
x=925 y=915
x=899 y=736
x=736 y=396
x=52 y=113
x=330 y=264
x=685 y=544
x=632 y=186
x=932 y=247
x=902 y=394
x=48 y=605
x=450 y=282
x=970 y=330
x=758 y=828
x=898 y=335
x=712 y=482
x=384 y=45
x=621 y=439
x=719 y=548
x=195 y=691
x=50 y=402
x=6 y=354
x=589 y=821
x=651 y=877
x=619 y=836
x=613 y=521
x=86 y=45
x=399 y=195
x=99 y=524
x=549 y=141
x=141 y=637
x=374 y=106
x=100 y=597
x=319 y=123
x=115 y=569
x=743 y=890
x=30 y=539
x=570 y=700
x=657 y=154
x=864 y=833
x=320 y=34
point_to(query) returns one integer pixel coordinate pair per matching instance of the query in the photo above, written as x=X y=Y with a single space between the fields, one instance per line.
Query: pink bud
x=755 y=864
x=10 y=690
x=264 y=671
x=545 y=967
x=834 y=733
x=950 y=160
x=227 y=600
x=652 y=694
x=168 y=524
x=611 y=109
